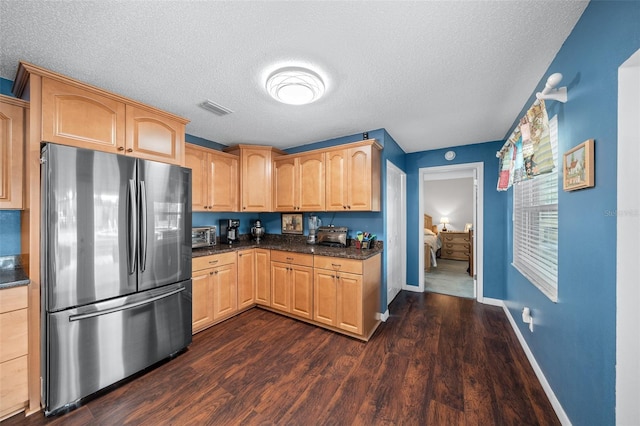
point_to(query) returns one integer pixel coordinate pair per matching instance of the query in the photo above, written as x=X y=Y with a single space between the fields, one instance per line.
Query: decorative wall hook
x=550 y=93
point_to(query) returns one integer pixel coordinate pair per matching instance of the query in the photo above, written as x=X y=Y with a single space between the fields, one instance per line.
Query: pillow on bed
x=428 y=231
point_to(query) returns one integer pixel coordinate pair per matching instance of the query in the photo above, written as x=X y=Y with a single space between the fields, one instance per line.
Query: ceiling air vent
x=215 y=108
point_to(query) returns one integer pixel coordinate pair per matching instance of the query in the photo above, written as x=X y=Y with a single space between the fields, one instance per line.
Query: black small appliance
x=229 y=230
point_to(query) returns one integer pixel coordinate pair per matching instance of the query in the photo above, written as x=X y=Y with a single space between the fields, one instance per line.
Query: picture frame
x=578 y=167
x=292 y=223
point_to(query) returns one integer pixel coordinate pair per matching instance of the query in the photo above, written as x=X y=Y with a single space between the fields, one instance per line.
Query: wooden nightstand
x=455 y=245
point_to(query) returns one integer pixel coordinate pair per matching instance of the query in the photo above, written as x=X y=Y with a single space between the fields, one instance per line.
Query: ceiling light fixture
x=295 y=85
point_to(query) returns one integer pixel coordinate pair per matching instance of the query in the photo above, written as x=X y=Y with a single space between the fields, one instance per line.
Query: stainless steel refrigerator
x=116 y=269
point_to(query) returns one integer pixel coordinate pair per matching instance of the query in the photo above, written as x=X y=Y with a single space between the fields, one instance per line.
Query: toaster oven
x=334 y=236
x=203 y=236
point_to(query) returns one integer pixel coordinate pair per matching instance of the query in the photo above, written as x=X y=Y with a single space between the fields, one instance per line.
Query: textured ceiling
x=433 y=73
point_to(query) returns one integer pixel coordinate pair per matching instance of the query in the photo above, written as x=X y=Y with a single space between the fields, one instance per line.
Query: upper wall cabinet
x=75 y=113
x=214 y=177
x=12 y=143
x=255 y=176
x=353 y=177
x=298 y=182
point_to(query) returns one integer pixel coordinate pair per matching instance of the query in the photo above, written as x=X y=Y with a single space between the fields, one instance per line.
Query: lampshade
x=444 y=220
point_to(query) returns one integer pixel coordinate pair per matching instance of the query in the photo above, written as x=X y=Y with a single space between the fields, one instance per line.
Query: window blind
x=535 y=228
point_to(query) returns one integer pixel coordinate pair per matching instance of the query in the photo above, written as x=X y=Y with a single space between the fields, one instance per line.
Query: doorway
x=471 y=174
x=396 y=208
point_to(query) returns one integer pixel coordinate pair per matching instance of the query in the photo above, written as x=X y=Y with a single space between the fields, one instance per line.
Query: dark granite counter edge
x=12 y=274
x=316 y=250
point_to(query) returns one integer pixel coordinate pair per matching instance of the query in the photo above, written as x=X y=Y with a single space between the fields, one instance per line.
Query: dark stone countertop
x=11 y=272
x=292 y=244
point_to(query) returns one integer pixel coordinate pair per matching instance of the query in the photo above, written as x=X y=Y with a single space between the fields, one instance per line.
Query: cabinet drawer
x=13 y=334
x=204 y=262
x=293 y=258
x=338 y=264
x=12 y=299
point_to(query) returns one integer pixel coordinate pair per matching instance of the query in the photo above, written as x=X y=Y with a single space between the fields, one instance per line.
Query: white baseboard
x=383 y=317
x=413 y=288
x=562 y=416
x=490 y=301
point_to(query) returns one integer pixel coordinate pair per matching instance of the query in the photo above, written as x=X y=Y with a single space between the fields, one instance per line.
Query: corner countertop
x=293 y=245
x=12 y=274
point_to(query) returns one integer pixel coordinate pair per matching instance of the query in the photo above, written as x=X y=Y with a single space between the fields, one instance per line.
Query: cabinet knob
x=344 y=207
x=130 y=150
x=120 y=148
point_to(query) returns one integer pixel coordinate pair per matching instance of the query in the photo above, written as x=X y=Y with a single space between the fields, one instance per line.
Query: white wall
x=452 y=198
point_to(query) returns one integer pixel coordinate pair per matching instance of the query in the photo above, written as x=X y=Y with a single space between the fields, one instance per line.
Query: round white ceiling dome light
x=295 y=85
x=449 y=155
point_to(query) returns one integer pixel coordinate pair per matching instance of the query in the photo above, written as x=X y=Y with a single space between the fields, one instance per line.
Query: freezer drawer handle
x=123 y=307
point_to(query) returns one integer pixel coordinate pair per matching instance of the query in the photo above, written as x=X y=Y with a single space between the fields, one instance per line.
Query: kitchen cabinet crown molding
x=14 y=101
x=25 y=70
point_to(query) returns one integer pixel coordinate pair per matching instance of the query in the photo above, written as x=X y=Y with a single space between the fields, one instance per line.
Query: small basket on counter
x=364 y=240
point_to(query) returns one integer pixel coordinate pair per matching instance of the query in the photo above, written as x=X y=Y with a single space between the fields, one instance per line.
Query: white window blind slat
x=535 y=229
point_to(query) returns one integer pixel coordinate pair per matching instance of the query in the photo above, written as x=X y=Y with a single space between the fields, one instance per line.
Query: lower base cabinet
x=340 y=294
x=292 y=283
x=215 y=289
x=347 y=294
x=14 y=387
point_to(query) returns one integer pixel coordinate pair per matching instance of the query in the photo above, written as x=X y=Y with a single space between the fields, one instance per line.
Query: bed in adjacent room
x=431 y=243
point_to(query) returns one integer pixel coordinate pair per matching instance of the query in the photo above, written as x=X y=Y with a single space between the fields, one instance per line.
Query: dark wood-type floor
x=438 y=360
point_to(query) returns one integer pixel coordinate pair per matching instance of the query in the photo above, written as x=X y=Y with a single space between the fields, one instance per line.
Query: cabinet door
x=197 y=160
x=285 y=188
x=302 y=291
x=256 y=180
x=12 y=143
x=77 y=116
x=359 y=178
x=280 y=286
x=263 y=277
x=202 y=310
x=246 y=278
x=153 y=136
x=335 y=180
x=14 y=386
x=311 y=182
x=223 y=183
x=225 y=289
x=349 y=302
x=324 y=297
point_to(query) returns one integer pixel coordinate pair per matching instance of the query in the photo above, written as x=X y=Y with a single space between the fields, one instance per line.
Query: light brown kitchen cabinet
x=246 y=278
x=292 y=283
x=298 y=182
x=14 y=390
x=13 y=116
x=81 y=115
x=214 y=288
x=263 y=277
x=353 y=177
x=347 y=294
x=153 y=136
x=214 y=179
x=255 y=176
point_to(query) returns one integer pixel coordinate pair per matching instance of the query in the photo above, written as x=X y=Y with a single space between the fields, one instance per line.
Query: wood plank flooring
x=438 y=360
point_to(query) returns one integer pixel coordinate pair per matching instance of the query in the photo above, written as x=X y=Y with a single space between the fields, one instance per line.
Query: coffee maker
x=314 y=224
x=229 y=230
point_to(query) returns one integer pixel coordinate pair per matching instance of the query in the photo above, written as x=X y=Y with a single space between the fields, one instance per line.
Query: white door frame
x=627 y=250
x=478 y=209
x=402 y=217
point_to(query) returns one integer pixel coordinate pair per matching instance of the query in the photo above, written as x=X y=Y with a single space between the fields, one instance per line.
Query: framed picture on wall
x=292 y=223
x=578 y=167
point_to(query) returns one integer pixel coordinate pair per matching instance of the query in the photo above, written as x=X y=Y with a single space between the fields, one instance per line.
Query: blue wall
x=495 y=212
x=574 y=340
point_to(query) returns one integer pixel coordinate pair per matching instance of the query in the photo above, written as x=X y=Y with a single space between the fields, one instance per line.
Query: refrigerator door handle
x=133 y=226
x=125 y=307
x=143 y=227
